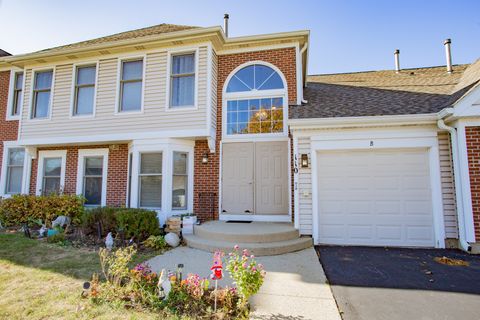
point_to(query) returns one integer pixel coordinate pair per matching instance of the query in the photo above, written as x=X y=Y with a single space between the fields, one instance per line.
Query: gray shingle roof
x=4 y=53
x=375 y=93
x=148 y=31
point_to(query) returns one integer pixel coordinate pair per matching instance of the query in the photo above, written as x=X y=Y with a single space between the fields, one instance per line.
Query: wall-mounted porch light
x=304 y=160
x=205 y=158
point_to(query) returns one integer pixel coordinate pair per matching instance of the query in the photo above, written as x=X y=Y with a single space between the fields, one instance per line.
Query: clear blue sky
x=346 y=35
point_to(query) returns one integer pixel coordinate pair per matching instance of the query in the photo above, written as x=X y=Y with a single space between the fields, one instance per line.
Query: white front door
x=375 y=197
x=255 y=178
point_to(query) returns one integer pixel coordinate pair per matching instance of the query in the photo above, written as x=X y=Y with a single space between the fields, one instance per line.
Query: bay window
x=180 y=180
x=150 y=180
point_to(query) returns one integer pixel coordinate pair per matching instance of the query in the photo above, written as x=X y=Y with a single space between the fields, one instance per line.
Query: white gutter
x=458 y=185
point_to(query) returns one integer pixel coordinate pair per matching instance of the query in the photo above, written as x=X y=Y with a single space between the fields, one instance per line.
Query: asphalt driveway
x=385 y=283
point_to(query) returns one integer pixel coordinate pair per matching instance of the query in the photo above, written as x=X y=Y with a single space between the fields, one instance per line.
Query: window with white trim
x=84 y=92
x=131 y=82
x=255 y=97
x=42 y=88
x=182 y=80
x=179 y=180
x=150 y=180
x=17 y=97
x=15 y=163
x=92 y=180
x=52 y=173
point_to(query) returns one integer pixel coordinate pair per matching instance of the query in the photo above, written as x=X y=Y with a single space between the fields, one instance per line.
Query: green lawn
x=44 y=281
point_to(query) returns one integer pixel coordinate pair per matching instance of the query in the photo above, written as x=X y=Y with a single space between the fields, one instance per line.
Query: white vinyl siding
x=305 y=189
x=214 y=91
x=155 y=116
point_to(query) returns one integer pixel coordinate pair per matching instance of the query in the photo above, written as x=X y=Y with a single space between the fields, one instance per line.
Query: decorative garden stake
x=179 y=271
x=217 y=272
x=86 y=288
x=109 y=241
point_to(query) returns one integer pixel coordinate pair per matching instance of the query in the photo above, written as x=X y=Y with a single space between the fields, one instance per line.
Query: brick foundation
x=117 y=172
x=473 y=152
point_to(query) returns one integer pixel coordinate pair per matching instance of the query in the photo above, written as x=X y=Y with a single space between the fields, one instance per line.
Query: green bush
x=136 y=223
x=155 y=242
x=23 y=208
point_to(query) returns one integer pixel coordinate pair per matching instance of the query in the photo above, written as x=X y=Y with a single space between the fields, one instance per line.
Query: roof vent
x=225 y=23
x=397 y=60
x=448 y=54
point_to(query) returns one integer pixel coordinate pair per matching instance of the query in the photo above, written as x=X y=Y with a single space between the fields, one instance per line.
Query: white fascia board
x=114 y=138
x=342 y=122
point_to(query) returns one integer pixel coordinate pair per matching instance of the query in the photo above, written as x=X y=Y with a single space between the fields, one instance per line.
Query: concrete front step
x=254 y=232
x=258 y=248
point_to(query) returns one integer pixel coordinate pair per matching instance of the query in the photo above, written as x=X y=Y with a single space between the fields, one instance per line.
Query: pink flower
x=254 y=269
x=245 y=252
x=236 y=247
x=252 y=257
x=244 y=265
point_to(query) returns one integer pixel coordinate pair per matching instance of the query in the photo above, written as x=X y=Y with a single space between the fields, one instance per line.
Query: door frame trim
x=253 y=217
x=429 y=142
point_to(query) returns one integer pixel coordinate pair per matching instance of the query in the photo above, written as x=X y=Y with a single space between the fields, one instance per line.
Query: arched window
x=255 y=97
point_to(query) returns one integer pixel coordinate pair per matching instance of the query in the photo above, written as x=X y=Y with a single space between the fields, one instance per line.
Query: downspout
x=458 y=185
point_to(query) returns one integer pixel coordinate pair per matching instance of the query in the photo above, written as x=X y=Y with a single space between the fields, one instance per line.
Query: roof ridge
x=383 y=70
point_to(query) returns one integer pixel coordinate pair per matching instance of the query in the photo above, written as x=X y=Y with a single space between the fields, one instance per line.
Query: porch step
x=260 y=238
x=258 y=249
x=246 y=232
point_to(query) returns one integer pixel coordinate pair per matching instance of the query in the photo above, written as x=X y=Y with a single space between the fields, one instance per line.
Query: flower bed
x=192 y=296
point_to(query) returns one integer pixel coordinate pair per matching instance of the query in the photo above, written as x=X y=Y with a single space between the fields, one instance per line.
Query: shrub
x=246 y=272
x=155 y=242
x=105 y=216
x=137 y=223
x=23 y=208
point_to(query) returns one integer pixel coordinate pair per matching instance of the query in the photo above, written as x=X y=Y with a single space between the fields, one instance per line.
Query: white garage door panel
x=375 y=198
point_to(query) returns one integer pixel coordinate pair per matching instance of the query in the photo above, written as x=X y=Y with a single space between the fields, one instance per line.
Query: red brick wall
x=206 y=180
x=117 y=172
x=8 y=129
x=473 y=152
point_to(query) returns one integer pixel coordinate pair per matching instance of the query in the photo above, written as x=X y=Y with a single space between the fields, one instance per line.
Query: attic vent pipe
x=397 y=60
x=225 y=24
x=448 y=54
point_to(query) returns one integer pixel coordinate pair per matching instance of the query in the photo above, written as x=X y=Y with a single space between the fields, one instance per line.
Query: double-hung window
x=15 y=162
x=180 y=180
x=84 y=95
x=182 y=81
x=42 y=88
x=52 y=172
x=92 y=180
x=131 y=82
x=17 y=97
x=150 y=180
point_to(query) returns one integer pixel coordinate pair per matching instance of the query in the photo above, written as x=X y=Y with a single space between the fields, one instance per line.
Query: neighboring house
x=185 y=119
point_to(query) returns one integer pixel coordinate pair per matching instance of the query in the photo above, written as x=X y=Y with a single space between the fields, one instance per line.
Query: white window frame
x=119 y=82
x=187 y=187
x=11 y=99
x=170 y=55
x=42 y=155
x=74 y=84
x=140 y=174
x=7 y=145
x=254 y=94
x=84 y=153
x=166 y=147
x=52 y=92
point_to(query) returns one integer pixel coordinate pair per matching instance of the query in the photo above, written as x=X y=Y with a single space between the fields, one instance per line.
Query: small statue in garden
x=217 y=272
x=164 y=285
x=61 y=221
x=109 y=241
x=43 y=231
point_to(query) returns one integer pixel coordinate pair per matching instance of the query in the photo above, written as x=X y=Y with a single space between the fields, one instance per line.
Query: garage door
x=378 y=198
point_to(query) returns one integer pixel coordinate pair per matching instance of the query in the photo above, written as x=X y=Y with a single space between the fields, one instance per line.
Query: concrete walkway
x=295 y=287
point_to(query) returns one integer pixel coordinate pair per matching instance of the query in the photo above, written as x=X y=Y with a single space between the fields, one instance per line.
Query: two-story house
x=188 y=120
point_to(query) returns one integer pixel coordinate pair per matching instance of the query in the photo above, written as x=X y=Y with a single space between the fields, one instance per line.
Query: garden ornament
x=26 y=230
x=61 y=221
x=86 y=289
x=217 y=272
x=172 y=239
x=164 y=285
x=109 y=241
x=43 y=231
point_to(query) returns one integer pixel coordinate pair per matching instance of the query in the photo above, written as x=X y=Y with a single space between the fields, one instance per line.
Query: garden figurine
x=61 y=221
x=164 y=285
x=172 y=239
x=109 y=241
x=217 y=272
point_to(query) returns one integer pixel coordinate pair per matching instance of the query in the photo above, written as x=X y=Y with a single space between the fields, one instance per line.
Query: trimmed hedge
x=136 y=223
x=23 y=208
